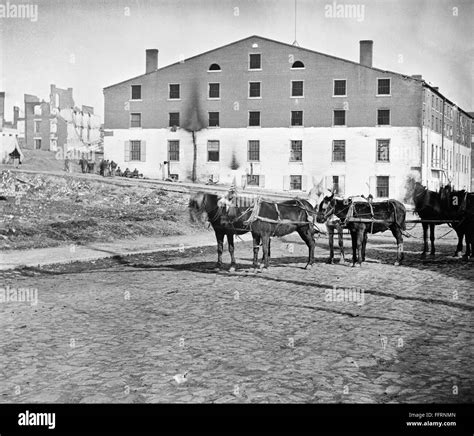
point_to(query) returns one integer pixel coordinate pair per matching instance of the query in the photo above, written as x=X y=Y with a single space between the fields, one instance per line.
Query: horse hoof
x=308 y=266
x=397 y=263
x=330 y=261
x=232 y=269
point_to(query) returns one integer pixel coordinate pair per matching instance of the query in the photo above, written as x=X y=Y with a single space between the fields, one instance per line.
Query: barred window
x=296 y=118
x=296 y=183
x=254 y=118
x=339 y=118
x=215 y=67
x=383 y=117
x=382 y=186
x=297 y=64
x=254 y=151
x=339 y=150
x=214 y=90
x=174 y=91
x=254 y=89
x=383 y=87
x=135 y=120
x=213 y=119
x=255 y=62
x=173 y=151
x=135 y=150
x=213 y=151
x=136 y=92
x=383 y=150
x=335 y=185
x=297 y=88
x=37 y=126
x=174 y=119
x=296 y=151
x=37 y=144
x=339 y=87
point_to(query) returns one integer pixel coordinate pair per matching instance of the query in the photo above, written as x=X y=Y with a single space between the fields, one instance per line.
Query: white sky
x=109 y=46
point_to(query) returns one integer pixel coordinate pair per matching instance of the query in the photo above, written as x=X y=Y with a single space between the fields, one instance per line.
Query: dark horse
x=432 y=205
x=391 y=212
x=263 y=219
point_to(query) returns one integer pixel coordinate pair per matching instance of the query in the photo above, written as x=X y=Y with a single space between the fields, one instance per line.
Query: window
x=174 y=119
x=297 y=88
x=296 y=183
x=173 y=151
x=340 y=87
x=37 y=144
x=255 y=62
x=254 y=89
x=382 y=186
x=253 y=180
x=296 y=151
x=254 y=118
x=37 y=110
x=383 y=86
x=136 y=92
x=214 y=90
x=215 y=67
x=254 y=151
x=213 y=151
x=37 y=126
x=383 y=117
x=383 y=150
x=296 y=118
x=297 y=64
x=339 y=150
x=213 y=119
x=339 y=118
x=135 y=120
x=335 y=185
x=174 y=91
x=135 y=150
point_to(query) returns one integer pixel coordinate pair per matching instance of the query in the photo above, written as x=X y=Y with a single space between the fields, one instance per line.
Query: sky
x=91 y=44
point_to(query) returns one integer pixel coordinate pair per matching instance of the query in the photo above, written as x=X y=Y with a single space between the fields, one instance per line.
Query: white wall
x=359 y=169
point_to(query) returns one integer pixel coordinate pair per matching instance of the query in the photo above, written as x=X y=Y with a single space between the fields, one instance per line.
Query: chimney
x=417 y=76
x=366 y=48
x=151 y=60
x=16 y=115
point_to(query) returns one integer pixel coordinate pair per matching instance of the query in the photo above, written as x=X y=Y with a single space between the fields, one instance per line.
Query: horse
x=334 y=222
x=432 y=205
x=271 y=219
x=392 y=212
x=467 y=226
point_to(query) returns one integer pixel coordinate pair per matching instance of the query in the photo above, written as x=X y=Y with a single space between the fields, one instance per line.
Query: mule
x=392 y=212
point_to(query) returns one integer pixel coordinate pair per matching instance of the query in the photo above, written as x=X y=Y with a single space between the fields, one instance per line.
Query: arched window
x=297 y=64
x=215 y=67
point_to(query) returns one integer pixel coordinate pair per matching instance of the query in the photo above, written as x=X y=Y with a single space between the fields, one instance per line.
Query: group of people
x=106 y=169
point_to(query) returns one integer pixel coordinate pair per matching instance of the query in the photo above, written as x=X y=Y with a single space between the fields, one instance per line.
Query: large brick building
x=282 y=117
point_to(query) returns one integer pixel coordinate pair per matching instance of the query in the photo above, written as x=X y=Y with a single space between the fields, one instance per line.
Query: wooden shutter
x=304 y=183
x=143 y=151
x=328 y=182
x=373 y=186
x=244 y=181
x=261 y=181
x=127 y=151
x=342 y=186
x=286 y=183
x=391 y=186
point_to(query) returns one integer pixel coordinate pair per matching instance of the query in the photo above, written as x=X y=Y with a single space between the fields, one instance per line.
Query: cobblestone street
x=165 y=327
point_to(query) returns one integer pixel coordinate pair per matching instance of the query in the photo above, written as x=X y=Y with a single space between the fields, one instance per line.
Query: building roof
x=418 y=79
x=270 y=40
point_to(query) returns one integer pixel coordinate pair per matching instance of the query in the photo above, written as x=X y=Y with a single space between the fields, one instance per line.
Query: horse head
x=326 y=208
x=196 y=207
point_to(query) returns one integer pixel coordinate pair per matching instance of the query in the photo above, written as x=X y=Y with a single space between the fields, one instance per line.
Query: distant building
x=58 y=124
x=10 y=150
x=282 y=117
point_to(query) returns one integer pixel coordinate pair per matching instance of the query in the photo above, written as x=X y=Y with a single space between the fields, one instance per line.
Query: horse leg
x=331 y=243
x=230 y=242
x=425 y=239
x=220 y=248
x=432 y=239
x=256 y=246
x=460 y=233
x=397 y=233
x=306 y=235
x=364 y=244
x=354 y=246
x=360 y=239
x=341 y=243
x=266 y=249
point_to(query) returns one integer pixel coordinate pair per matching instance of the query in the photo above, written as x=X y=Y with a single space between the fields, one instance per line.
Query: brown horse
x=271 y=219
